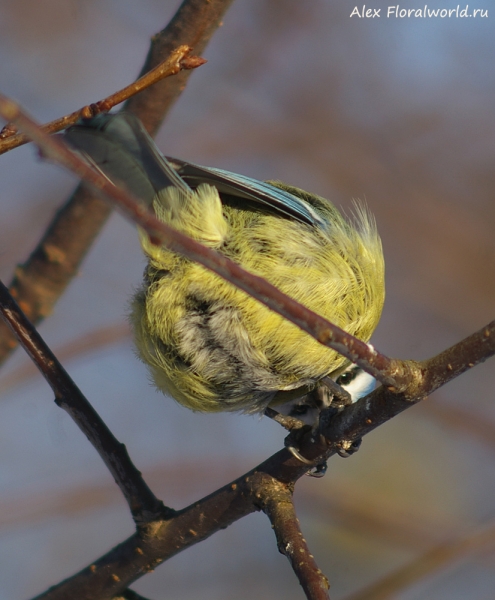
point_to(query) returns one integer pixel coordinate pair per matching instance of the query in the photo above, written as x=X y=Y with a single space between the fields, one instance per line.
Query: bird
x=206 y=343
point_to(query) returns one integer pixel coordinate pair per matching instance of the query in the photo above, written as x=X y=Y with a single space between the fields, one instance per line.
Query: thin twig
x=457 y=359
x=177 y=60
x=276 y=502
x=381 y=367
x=142 y=502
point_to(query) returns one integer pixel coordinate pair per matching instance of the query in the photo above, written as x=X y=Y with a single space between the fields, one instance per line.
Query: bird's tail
x=122 y=150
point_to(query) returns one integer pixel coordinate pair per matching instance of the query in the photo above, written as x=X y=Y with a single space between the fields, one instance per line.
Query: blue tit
x=207 y=344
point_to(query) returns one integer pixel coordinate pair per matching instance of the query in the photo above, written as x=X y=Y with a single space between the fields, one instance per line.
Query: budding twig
x=178 y=60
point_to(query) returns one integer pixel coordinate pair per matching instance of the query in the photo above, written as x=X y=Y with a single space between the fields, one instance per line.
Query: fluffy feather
x=214 y=348
x=209 y=345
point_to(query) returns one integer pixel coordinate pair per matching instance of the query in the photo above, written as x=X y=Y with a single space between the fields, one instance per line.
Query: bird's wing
x=241 y=186
x=119 y=146
x=121 y=149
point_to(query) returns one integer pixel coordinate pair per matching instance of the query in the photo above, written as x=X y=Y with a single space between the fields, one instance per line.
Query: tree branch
x=143 y=504
x=276 y=502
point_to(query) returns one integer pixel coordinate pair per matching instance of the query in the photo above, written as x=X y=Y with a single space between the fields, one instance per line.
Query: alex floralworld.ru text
x=423 y=12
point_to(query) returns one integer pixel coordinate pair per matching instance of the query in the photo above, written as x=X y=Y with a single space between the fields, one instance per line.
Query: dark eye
x=299 y=410
x=347 y=376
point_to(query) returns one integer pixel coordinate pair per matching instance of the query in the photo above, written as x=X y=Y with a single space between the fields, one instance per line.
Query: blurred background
x=397 y=111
